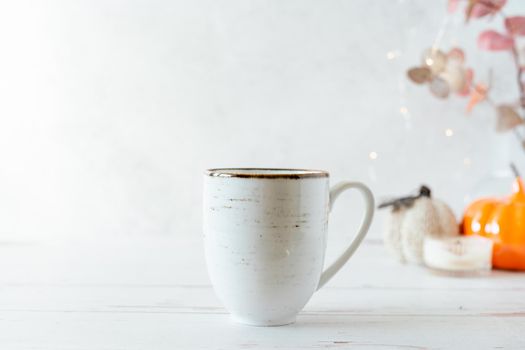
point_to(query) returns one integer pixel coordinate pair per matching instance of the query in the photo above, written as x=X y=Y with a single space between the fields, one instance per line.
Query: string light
x=467 y=161
x=391 y=55
x=373 y=155
x=449 y=132
x=404 y=113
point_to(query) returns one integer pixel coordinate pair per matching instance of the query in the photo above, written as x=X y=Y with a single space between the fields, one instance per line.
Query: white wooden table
x=153 y=293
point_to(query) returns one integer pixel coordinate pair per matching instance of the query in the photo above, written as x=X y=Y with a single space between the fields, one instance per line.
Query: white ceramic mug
x=265 y=239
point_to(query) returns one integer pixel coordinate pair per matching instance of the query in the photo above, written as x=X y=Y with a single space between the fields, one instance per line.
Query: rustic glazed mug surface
x=265 y=239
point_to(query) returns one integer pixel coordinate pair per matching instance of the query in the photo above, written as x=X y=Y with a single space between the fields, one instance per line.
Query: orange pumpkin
x=503 y=221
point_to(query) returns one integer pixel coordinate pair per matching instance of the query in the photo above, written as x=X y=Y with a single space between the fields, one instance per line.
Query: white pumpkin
x=414 y=218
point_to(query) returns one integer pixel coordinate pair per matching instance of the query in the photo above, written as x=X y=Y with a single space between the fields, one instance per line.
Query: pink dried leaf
x=452 y=5
x=456 y=54
x=477 y=95
x=482 y=8
x=493 y=41
x=515 y=25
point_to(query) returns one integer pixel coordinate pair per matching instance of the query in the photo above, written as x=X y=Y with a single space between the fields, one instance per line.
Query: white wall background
x=110 y=110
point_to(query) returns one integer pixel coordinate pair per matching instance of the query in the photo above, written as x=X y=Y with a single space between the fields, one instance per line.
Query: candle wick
x=515 y=170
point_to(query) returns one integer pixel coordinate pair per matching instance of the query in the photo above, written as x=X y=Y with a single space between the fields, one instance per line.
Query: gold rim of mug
x=266 y=173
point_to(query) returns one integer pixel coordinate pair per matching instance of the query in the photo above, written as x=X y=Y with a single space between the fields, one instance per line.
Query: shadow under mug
x=265 y=239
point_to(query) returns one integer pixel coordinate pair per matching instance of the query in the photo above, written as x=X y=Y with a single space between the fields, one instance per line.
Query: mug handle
x=361 y=233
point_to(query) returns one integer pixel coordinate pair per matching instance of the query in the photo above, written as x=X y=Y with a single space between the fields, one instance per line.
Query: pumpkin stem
x=424 y=191
x=406 y=202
